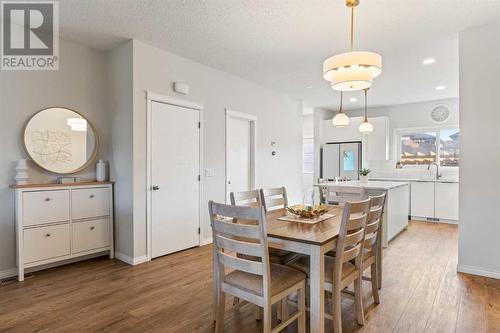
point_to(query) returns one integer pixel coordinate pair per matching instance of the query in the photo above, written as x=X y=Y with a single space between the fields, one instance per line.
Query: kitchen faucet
x=438 y=175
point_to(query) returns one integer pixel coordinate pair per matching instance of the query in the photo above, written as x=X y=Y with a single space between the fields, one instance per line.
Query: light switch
x=209 y=173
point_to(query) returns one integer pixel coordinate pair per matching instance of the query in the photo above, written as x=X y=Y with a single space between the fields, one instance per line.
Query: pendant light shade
x=366 y=127
x=340 y=120
x=354 y=70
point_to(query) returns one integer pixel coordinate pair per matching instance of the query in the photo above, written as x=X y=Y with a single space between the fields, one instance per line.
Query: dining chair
x=372 y=256
x=274 y=198
x=340 y=271
x=253 y=199
x=259 y=282
x=340 y=194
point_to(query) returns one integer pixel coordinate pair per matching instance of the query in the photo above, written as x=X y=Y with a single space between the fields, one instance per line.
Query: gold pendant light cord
x=366 y=105
x=352 y=28
x=340 y=110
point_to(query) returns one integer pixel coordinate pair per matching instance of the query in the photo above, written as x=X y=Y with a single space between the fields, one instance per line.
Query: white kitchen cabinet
x=376 y=144
x=422 y=199
x=446 y=201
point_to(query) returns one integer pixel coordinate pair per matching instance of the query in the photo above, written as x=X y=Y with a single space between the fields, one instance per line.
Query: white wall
x=120 y=108
x=279 y=120
x=479 y=229
x=400 y=116
x=79 y=84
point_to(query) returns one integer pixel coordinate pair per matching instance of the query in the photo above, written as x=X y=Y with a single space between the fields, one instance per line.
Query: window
x=423 y=147
x=308 y=155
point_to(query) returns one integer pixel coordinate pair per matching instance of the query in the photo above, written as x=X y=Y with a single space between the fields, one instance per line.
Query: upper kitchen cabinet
x=375 y=145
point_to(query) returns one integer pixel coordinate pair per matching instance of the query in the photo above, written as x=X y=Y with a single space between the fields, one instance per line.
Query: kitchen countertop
x=425 y=180
x=370 y=185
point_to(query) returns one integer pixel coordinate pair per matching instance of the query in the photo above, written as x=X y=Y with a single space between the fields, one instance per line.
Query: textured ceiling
x=282 y=44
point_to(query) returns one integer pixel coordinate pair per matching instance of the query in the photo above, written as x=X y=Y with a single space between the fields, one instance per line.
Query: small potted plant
x=363 y=175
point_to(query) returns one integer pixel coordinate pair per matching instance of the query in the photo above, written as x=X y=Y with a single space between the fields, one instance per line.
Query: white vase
x=100 y=171
x=22 y=177
x=363 y=179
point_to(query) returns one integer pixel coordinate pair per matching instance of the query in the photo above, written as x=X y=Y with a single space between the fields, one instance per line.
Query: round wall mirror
x=60 y=140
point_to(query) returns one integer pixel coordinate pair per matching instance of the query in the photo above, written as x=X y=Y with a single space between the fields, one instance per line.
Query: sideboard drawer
x=90 y=202
x=90 y=235
x=45 y=207
x=46 y=242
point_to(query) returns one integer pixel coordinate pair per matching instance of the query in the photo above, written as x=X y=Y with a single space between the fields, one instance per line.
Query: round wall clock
x=440 y=113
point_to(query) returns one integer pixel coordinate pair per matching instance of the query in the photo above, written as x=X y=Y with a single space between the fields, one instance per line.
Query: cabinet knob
x=47 y=199
x=91 y=196
x=47 y=235
x=92 y=228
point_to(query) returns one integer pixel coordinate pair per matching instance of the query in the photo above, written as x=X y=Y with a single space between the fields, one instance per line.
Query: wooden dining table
x=314 y=240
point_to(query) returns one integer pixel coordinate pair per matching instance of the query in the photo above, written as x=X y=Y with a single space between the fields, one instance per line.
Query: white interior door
x=175 y=168
x=240 y=155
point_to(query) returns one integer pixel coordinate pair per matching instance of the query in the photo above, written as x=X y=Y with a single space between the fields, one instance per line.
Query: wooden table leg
x=215 y=286
x=317 y=293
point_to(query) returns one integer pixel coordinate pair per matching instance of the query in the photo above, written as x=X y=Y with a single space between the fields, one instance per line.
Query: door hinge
x=199 y=178
x=199 y=231
x=199 y=124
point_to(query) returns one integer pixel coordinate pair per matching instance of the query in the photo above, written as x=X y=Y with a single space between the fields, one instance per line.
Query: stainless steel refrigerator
x=340 y=159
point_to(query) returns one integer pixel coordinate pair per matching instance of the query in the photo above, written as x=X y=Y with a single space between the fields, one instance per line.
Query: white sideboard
x=56 y=222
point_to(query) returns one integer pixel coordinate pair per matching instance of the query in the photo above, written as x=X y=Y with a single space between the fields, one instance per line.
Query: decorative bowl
x=308 y=212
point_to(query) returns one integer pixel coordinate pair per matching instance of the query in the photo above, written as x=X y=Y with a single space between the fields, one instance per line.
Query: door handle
x=155 y=187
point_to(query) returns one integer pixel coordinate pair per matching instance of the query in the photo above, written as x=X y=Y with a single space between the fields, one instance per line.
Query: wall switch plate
x=209 y=173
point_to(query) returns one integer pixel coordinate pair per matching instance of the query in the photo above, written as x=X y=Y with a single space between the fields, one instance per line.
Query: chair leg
x=337 y=311
x=258 y=313
x=301 y=322
x=268 y=319
x=358 y=299
x=375 y=284
x=221 y=303
x=284 y=309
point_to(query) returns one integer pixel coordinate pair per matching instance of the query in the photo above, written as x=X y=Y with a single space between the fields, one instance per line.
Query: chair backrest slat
x=341 y=194
x=351 y=253
x=243 y=246
x=273 y=198
x=245 y=198
x=248 y=266
x=236 y=230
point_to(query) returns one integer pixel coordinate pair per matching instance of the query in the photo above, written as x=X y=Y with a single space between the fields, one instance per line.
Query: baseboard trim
x=8 y=273
x=129 y=260
x=206 y=241
x=478 y=271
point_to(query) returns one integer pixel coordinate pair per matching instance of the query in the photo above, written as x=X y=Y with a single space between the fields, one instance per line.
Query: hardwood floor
x=421 y=293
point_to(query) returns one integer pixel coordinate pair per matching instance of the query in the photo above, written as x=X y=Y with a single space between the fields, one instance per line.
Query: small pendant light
x=340 y=120
x=366 y=127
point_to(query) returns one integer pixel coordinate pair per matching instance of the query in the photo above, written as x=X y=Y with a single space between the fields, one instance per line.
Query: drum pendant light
x=353 y=70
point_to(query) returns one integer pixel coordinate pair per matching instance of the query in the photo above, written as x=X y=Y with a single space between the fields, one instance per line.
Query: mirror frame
x=85 y=165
